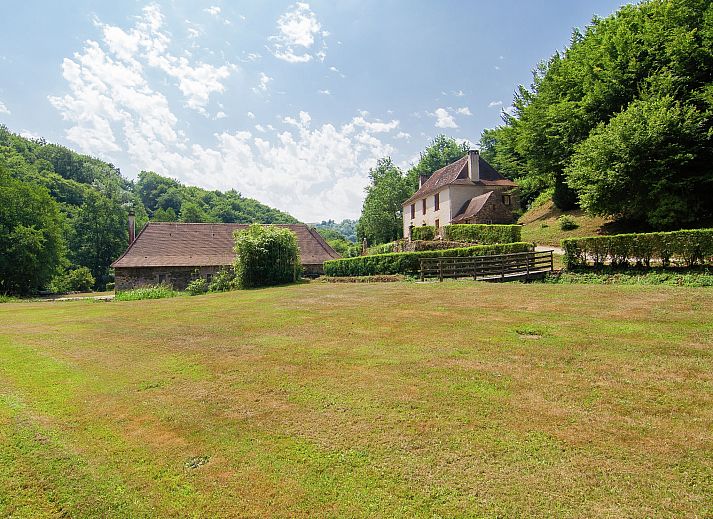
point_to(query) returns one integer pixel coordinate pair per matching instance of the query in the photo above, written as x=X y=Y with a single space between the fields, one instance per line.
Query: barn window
x=209 y=277
x=413 y=211
x=161 y=278
x=424 y=205
x=507 y=200
x=436 y=202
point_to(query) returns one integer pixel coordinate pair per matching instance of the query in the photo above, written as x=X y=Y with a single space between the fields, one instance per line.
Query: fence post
x=527 y=263
x=440 y=269
x=421 y=269
x=502 y=267
x=552 y=262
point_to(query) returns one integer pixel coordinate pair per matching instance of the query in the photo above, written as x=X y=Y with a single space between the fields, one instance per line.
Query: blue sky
x=289 y=103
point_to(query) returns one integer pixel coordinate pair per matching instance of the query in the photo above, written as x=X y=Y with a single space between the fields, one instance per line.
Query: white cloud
x=403 y=135
x=213 y=10
x=493 y=104
x=459 y=93
x=252 y=57
x=27 y=134
x=115 y=109
x=147 y=44
x=497 y=67
x=373 y=126
x=324 y=92
x=263 y=83
x=464 y=111
x=220 y=115
x=299 y=32
x=444 y=119
x=4 y=109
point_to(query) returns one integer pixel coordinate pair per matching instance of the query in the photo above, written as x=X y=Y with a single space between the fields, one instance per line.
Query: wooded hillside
x=62 y=211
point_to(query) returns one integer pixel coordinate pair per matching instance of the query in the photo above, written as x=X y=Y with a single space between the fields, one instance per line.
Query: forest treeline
x=621 y=122
x=63 y=215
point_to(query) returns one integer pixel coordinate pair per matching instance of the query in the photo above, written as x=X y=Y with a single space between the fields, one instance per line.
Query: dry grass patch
x=398 y=399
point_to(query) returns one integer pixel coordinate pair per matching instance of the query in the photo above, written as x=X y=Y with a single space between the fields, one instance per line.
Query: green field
x=401 y=399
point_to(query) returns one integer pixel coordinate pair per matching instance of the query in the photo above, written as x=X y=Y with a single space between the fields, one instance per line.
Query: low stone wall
x=178 y=277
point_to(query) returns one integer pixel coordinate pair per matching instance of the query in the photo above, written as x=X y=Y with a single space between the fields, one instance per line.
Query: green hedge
x=689 y=247
x=424 y=232
x=409 y=262
x=483 y=233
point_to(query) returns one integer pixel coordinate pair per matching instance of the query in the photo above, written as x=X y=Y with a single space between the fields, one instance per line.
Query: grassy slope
x=325 y=400
x=540 y=225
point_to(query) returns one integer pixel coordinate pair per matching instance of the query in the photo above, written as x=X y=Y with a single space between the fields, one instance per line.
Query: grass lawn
x=540 y=225
x=396 y=399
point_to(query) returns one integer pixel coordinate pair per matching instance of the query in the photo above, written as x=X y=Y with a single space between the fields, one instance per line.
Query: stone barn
x=177 y=253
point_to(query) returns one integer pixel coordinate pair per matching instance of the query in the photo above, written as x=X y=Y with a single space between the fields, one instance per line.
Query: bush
x=77 y=280
x=147 y=292
x=384 y=248
x=222 y=281
x=110 y=286
x=424 y=232
x=266 y=255
x=486 y=234
x=690 y=247
x=197 y=287
x=409 y=262
x=567 y=223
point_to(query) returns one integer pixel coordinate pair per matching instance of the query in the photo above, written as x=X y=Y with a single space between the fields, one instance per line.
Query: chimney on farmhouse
x=132 y=227
x=474 y=165
x=422 y=180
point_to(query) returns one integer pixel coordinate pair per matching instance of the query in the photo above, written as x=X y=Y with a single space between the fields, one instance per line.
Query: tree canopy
x=621 y=122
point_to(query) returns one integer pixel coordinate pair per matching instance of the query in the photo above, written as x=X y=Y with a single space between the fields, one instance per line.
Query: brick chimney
x=474 y=165
x=132 y=227
x=422 y=180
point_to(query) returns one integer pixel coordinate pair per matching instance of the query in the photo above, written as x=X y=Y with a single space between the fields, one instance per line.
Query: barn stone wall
x=178 y=277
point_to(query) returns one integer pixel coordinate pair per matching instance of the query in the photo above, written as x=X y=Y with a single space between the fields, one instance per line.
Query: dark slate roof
x=456 y=173
x=162 y=244
x=472 y=207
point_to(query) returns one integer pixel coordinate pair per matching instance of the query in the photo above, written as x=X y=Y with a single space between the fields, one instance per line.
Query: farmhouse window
x=413 y=211
x=436 y=202
x=507 y=200
x=438 y=224
x=424 y=205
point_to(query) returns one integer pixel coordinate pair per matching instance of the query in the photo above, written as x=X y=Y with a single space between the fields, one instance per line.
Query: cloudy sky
x=289 y=103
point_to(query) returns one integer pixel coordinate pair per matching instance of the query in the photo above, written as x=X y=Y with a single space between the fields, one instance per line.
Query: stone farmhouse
x=467 y=191
x=177 y=253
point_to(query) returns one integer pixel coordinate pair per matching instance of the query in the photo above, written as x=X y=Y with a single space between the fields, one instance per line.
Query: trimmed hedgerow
x=689 y=247
x=409 y=262
x=266 y=255
x=424 y=232
x=483 y=233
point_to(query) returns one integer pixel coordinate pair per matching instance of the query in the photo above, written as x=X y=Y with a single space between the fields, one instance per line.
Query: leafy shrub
x=77 y=280
x=110 y=286
x=384 y=248
x=690 y=247
x=386 y=278
x=197 y=287
x=567 y=223
x=7 y=299
x=486 y=234
x=424 y=232
x=409 y=262
x=148 y=292
x=266 y=255
x=648 y=277
x=222 y=281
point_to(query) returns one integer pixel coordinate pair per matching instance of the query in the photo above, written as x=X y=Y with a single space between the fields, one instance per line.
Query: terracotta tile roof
x=456 y=173
x=162 y=244
x=472 y=207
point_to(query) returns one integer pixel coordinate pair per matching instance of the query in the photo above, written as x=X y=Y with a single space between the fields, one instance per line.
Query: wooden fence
x=500 y=267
